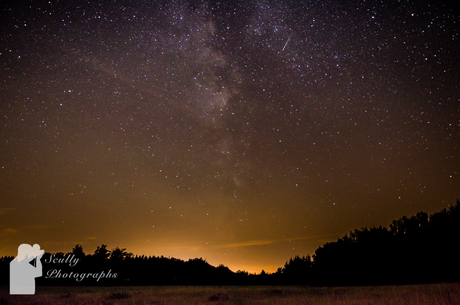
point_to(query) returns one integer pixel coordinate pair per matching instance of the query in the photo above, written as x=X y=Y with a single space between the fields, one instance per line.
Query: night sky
x=243 y=132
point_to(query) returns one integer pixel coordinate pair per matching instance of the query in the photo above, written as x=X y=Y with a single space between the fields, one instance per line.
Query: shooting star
x=287 y=42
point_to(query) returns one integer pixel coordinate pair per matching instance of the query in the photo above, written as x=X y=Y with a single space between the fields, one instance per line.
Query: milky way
x=242 y=132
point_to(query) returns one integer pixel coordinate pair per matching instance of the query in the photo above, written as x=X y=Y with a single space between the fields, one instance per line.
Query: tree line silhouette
x=418 y=249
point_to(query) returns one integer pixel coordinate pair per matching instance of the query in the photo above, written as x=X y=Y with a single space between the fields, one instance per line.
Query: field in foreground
x=410 y=294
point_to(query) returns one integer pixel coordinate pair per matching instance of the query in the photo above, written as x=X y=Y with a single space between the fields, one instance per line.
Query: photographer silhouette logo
x=25 y=268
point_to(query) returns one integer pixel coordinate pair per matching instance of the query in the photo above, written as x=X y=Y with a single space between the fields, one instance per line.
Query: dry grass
x=435 y=294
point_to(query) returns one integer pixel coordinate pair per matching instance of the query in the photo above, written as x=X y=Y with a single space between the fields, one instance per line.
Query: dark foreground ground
x=412 y=294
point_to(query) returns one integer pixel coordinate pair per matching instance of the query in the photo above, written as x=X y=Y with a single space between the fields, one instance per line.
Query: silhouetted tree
x=102 y=253
x=78 y=251
x=119 y=254
x=297 y=270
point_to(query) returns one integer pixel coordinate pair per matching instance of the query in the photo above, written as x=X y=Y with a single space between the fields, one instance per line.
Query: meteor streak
x=286 y=42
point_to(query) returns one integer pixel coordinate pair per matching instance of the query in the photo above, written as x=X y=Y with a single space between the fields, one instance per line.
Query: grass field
x=411 y=294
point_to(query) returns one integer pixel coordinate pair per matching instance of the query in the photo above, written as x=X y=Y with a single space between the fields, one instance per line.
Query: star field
x=243 y=132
